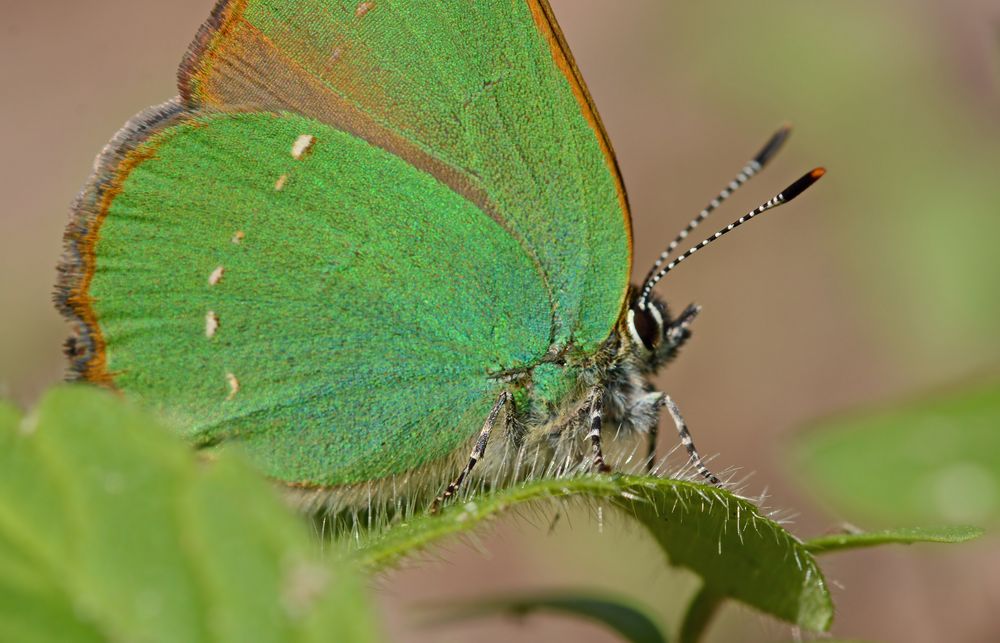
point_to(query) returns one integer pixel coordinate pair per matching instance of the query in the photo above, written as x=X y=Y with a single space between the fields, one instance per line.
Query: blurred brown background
x=884 y=280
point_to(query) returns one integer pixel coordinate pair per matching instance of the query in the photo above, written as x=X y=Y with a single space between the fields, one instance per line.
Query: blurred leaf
x=724 y=539
x=902 y=536
x=110 y=530
x=9 y=416
x=934 y=460
x=630 y=622
x=699 y=615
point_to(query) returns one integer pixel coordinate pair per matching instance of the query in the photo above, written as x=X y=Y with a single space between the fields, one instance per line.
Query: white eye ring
x=634 y=333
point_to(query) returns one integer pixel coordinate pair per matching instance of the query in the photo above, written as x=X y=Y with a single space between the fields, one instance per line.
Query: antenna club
x=801 y=184
x=773 y=145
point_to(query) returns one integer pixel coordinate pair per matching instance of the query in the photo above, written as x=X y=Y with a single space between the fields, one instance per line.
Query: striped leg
x=687 y=441
x=477 y=451
x=678 y=331
x=651 y=453
x=596 y=420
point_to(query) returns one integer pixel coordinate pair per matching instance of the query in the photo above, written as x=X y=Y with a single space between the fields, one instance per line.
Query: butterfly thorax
x=552 y=398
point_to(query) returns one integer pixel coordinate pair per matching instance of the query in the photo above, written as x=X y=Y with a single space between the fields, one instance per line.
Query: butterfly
x=372 y=242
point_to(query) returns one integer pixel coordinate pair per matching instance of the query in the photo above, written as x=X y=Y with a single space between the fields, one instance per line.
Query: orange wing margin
x=545 y=19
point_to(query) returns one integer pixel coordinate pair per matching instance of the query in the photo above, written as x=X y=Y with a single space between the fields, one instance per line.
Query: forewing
x=266 y=279
x=483 y=95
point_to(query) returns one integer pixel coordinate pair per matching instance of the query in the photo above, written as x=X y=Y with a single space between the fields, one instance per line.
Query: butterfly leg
x=596 y=420
x=678 y=331
x=651 y=453
x=687 y=441
x=675 y=335
x=477 y=451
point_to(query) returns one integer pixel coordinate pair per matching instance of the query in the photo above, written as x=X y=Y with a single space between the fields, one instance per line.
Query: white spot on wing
x=216 y=276
x=211 y=324
x=302 y=145
x=234 y=385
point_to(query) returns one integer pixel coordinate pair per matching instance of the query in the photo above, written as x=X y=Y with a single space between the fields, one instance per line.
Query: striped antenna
x=786 y=195
x=753 y=166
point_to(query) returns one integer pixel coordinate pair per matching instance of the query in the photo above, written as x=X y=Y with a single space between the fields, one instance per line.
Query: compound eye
x=645 y=325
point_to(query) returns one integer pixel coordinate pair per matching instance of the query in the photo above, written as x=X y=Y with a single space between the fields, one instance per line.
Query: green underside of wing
x=471 y=84
x=360 y=307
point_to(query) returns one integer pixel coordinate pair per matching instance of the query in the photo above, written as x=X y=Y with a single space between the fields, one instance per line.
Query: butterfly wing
x=483 y=95
x=336 y=288
x=313 y=309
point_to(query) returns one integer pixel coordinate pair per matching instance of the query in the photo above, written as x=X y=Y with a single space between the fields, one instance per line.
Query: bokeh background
x=882 y=282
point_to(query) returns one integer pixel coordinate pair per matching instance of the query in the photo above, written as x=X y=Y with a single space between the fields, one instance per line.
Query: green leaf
x=737 y=551
x=706 y=603
x=630 y=622
x=935 y=460
x=901 y=536
x=111 y=530
x=9 y=417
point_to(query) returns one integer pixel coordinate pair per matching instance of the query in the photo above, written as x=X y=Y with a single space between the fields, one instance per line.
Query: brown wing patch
x=231 y=64
x=191 y=71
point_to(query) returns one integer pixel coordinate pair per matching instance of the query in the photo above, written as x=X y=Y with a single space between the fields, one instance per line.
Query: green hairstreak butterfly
x=369 y=239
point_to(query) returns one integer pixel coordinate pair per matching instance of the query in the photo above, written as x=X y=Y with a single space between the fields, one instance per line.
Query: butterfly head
x=654 y=335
